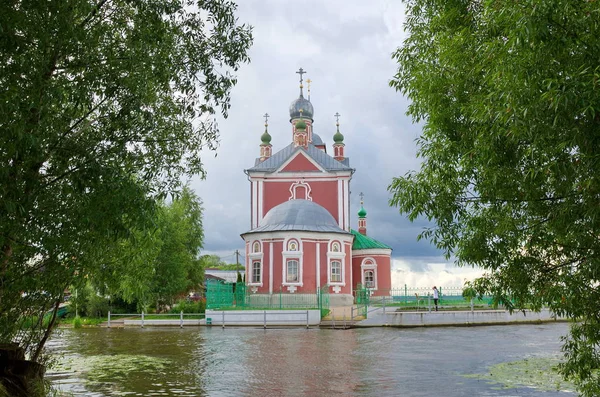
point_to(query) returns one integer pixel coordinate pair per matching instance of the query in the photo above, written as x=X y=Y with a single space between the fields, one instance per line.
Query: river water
x=207 y=361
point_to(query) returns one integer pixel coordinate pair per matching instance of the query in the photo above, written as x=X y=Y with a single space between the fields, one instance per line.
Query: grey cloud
x=346 y=48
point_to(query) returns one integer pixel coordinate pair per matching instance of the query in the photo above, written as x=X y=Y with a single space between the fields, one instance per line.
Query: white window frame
x=331 y=270
x=292 y=255
x=368 y=264
x=253 y=257
x=336 y=256
x=365 y=273
x=254 y=262
x=288 y=262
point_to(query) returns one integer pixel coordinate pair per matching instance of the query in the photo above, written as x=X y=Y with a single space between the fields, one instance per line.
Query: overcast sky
x=345 y=46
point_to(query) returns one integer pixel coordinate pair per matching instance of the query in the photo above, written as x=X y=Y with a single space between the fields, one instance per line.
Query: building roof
x=229 y=276
x=316 y=140
x=362 y=242
x=274 y=162
x=298 y=215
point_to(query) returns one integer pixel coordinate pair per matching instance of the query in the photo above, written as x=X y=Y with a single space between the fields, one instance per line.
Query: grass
x=77 y=322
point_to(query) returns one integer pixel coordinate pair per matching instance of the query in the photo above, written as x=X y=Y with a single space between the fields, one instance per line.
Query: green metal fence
x=417 y=298
x=223 y=296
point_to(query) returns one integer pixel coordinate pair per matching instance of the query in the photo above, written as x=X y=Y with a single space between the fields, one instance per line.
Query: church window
x=336 y=272
x=292 y=271
x=256 y=272
x=369 y=279
x=256 y=247
x=292 y=246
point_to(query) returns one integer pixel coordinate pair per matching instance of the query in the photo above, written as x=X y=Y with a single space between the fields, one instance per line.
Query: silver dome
x=316 y=140
x=305 y=105
x=299 y=215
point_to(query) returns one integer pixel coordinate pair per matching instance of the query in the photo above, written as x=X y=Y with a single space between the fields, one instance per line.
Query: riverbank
x=343 y=317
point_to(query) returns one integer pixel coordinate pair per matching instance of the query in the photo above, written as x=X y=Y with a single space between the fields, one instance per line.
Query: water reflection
x=294 y=362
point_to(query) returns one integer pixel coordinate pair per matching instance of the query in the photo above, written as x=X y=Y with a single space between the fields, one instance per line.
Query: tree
x=105 y=106
x=508 y=94
x=181 y=238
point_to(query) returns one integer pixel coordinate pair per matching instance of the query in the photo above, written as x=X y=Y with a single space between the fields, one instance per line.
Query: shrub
x=188 y=306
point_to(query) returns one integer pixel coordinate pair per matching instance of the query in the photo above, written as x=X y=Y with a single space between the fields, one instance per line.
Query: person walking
x=436 y=297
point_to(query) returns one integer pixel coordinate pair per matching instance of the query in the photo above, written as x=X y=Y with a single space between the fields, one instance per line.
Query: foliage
x=188 y=306
x=212 y=262
x=159 y=264
x=508 y=94
x=105 y=106
x=77 y=322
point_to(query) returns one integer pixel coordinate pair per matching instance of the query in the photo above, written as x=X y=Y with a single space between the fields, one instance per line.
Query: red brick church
x=301 y=238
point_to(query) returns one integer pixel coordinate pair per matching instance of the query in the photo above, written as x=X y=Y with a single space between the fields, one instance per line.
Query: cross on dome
x=301 y=72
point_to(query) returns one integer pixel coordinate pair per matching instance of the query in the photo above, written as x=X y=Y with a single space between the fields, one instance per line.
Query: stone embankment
x=381 y=317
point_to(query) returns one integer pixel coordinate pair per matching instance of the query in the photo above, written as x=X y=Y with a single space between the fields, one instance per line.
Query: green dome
x=301 y=125
x=362 y=212
x=265 y=138
x=338 y=137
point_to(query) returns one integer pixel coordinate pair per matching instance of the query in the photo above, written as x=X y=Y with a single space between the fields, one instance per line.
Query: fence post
x=429 y=302
x=142 y=319
x=280 y=292
x=264 y=319
x=307 y=320
x=181 y=319
x=471 y=304
x=223 y=319
x=352 y=313
x=109 y=319
x=405 y=294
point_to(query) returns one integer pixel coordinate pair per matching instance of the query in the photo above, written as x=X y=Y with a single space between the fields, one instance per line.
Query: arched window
x=256 y=247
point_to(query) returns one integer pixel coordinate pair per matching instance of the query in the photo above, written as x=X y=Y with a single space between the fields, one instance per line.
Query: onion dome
x=338 y=137
x=362 y=212
x=265 y=138
x=301 y=125
x=301 y=107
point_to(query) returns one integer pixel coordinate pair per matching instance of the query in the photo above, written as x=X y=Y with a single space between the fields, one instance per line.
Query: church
x=301 y=239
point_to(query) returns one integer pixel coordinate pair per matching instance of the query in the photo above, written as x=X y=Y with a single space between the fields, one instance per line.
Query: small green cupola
x=362 y=216
x=338 y=141
x=265 y=146
x=300 y=125
x=362 y=212
x=338 y=137
x=265 y=137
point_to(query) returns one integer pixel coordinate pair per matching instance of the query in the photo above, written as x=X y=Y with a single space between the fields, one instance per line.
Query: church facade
x=301 y=239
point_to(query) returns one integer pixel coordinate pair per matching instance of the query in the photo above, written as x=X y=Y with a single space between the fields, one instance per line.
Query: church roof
x=274 y=162
x=362 y=242
x=298 y=215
